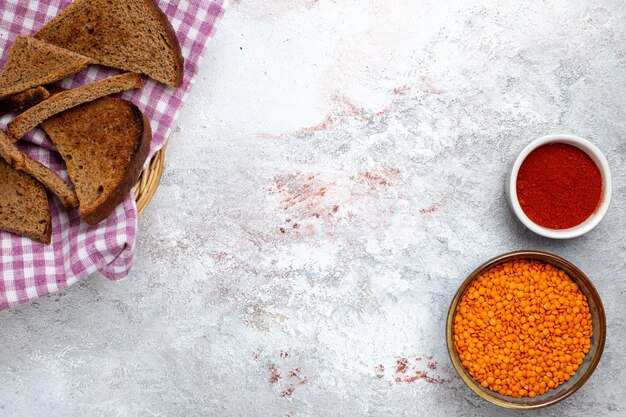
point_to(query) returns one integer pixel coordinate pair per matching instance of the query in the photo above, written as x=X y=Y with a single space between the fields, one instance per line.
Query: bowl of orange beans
x=526 y=330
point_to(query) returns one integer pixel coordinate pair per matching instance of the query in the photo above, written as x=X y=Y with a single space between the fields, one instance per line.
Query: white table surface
x=383 y=129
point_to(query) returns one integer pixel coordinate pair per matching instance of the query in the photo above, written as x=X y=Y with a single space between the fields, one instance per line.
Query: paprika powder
x=559 y=186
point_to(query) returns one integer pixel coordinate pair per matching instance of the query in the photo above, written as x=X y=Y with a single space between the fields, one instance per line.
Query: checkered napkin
x=29 y=270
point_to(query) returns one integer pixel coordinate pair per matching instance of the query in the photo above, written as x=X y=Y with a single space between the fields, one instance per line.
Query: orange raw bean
x=522 y=328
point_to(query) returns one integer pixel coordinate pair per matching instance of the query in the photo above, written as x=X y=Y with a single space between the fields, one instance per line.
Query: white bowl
x=607 y=185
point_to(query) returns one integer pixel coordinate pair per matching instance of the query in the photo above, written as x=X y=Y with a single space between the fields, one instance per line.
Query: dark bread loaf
x=33 y=62
x=24 y=207
x=104 y=144
x=19 y=161
x=71 y=98
x=133 y=35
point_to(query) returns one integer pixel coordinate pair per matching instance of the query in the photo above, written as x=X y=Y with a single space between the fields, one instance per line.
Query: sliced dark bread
x=24 y=100
x=33 y=62
x=104 y=144
x=133 y=35
x=71 y=98
x=18 y=160
x=24 y=207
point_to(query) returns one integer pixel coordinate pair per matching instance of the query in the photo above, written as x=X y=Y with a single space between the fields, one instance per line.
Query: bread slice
x=133 y=35
x=19 y=161
x=24 y=100
x=104 y=144
x=33 y=62
x=71 y=98
x=24 y=207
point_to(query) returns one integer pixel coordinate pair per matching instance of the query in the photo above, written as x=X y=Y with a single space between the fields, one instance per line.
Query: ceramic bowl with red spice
x=560 y=186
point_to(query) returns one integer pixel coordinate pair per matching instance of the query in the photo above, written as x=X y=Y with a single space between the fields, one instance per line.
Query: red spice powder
x=401 y=365
x=559 y=186
x=290 y=389
x=422 y=375
x=274 y=373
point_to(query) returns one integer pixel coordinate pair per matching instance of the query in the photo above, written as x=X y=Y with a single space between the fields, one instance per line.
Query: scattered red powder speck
x=386 y=177
x=290 y=389
x=376 y=178
x=295 y=373
x=380 y=371
x=274 y=373
x=314 y=202
x=401 y=90
x=401 y=365
x=430 y=209
x=283 y=354
x=302 y=193
x=408 y=372
x=421 y=375
x=423 y=85
x=220 y=256
x=349 y=108
x=323 y=125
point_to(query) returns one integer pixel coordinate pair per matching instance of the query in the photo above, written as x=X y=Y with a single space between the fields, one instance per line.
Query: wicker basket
x=149 y=180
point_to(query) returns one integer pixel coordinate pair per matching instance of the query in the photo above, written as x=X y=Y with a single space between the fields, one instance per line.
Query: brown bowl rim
x=559 y=262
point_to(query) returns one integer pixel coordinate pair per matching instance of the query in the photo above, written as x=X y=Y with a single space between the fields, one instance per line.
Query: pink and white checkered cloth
x=29 y=270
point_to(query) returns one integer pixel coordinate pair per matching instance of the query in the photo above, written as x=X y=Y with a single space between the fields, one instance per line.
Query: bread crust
x=47 y=237
x=173 y=40
x=131 y=174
